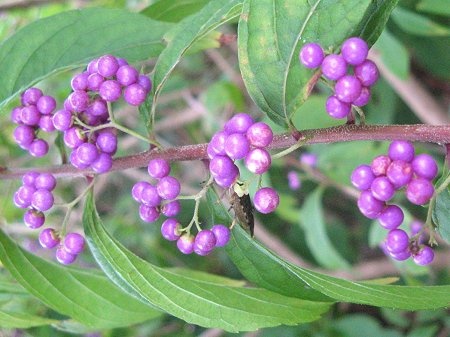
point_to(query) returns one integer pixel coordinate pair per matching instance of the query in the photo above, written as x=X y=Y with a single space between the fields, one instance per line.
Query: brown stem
x=439 y=134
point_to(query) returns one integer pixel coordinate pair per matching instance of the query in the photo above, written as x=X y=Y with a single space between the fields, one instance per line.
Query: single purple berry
x=336 y=108
x=149 y=196
x=369 y=206
x=134 y=94
x=401 y=256
x=424 y=256
x=239 y=123
x=98 y=108
x=367 y=73
x=363 y=98
x=31 y=96
x=24 y=135
x=185 y=243
x=48 y=238
x=168 y=188
x=73 y=158
x=259 y=134
x=266 y=200
x=127 y=75
x=62 y=120
x=79 y=100
x=204 y=242
x=419 y=191
x=391 y=217
x=19 y=202
x=222 y=234
x=80 y=81
x=237 y=146
x=382 y=189
x=334 y=67
x=311 y=55
x=228 y=181
x=137 y=189
x=42 y=200
x=46 y=104
x=107 y=66
x=170 y=229
x=16 y=115
x=46 y=181
x=308 y=159
x=33 y=219
x=380 y=165
x=25 y=195
x=258 y=161
x=425 y=166
x=362 y=177
x=399 y=173
x=29 y=178
x=38 y=148
x=74 y=137
x=64 y=257
x=158 y=168
x=107 y=141
x=103 y=163
x=73 y=243
x=145 y=82
x=148 y=214
x=121 y=61
x=397 y=240
x=217 y=144
x=110 y=90
x=401 y=150
x=347 y=88
x=95 y=81
x=221 y=166
x=87 y=153
x=354 y=50
x=171 y=208
x=30 y=115
x=46 y=123
x=92 y=66
x=294 y=181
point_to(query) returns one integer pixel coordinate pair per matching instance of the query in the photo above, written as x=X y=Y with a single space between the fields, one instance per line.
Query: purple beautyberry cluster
x=159 y=197
x=243 y=138
x=352 y=87
x=34 y=114
x=379 y=182
x=105 y=80
x=67 y=249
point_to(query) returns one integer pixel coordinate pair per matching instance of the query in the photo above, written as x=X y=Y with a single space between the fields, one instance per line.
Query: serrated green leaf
x=186 y=33
x=173 y=10
x=313 y=224
x=22 y=320
x=197 y=301
x=389 y=45
x=438 y=7
x=265 y=269
x=271 y=34
x=84 y=295
x=71 y=39
x=441 y=214
x=418 y=24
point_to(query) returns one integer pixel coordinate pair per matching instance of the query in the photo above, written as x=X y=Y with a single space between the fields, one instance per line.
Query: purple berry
x=391 y=217
x=33 y=219
x=308 y=159
x=354 y=50
x=98 y=108
x=401 y=150
x=367 y=73
x=137 y=189
x=185 y=243
x=79 y=100
x=107 y=141
x=347 y=88
x=145 y=83
x=46 y=104
x=259 y=134
x=24 y=135
x=222 y=234
x=228 y=181
x=424 y=256
x=311 y=55
x=168 y=188
x=46 y=123
x=46 y=181
x=127 y=75
x=399 y=173
x=38 y=148
x=74 y=137
x=80 y=81
x=258 y=161
x=30 y=115
x=380 y=165
x=19 y=202
x=62 y=120
x=92 y=66
x=87 y=153
x=48 y=238
x=121 y=61
x=73 y=158
x=42 y=200
x=95 y=80
x=266 y=200
x=103 y=163
x=64 y=257
x=158 y=168
x=171 y=208
x=149 y=196
x=336 y=108
x=204 y=242
x=369 y=206
x=334 y=67
x=31 y=96
x=16 y=115
x=148 y=214
x=400 y=256
x=217 y=144
x=107 y=66
x=110 y=90
x=221 y=166
x=425 y=166
x=382 y=189
x=397 y=241
x=239 y=123
x=419 y=191
x=170 y=229
x=73 y=243
x=294 y=181
x=29 y=178
x=362 y=177
x=25 y=195
x=363 y=98
x=416 y=226
x=237 y=146
x=134 y=94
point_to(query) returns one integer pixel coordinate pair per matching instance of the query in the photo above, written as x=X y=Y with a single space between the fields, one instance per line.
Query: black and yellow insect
x=243 y=208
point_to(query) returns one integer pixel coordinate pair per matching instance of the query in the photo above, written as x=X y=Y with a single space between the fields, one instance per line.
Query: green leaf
x=313 y=223
x=84 y=295
x=197 y=301
x=173 y=10
x=441 y=214
x=22 y=320
x=389 y=45
x=71 y=39
x=186 y=33
x=265 y=269
x=352 y=325
x=417 y=24
x=271 y=34
x=437 y=7
x=312 y=114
